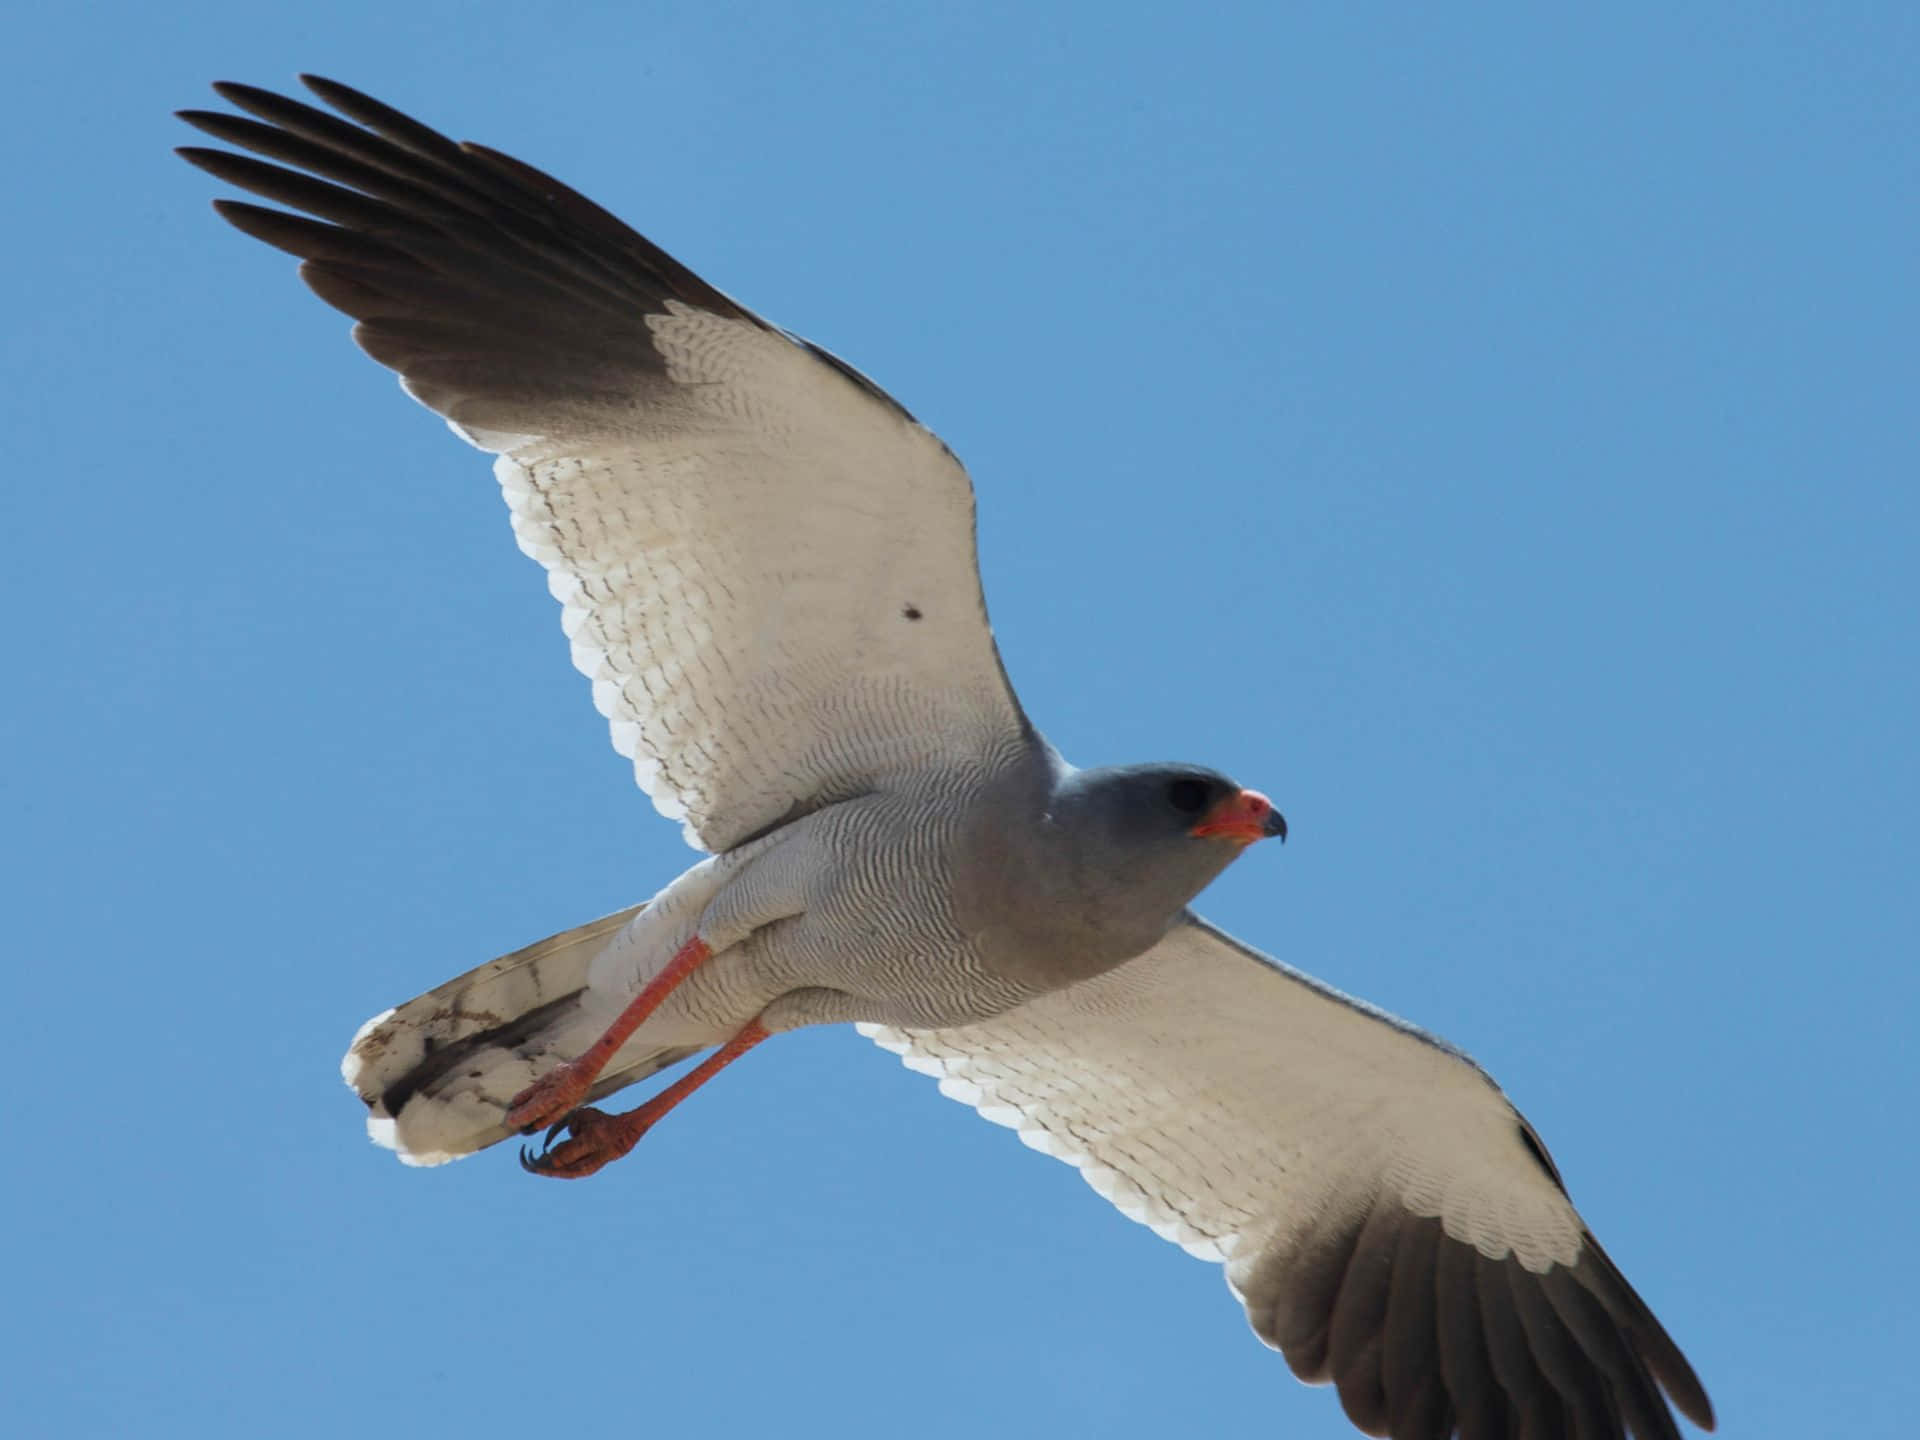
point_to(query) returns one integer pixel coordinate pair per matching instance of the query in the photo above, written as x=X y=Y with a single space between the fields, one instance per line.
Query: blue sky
x=1495 y=437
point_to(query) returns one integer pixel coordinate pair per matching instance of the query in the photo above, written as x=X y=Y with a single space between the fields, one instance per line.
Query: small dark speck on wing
x=912 y=612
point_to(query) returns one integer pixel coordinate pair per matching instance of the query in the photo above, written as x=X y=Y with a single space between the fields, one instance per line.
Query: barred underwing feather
x=765 y=565
x=1384 y=1213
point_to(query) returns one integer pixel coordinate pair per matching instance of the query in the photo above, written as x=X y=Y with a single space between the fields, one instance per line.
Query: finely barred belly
x=876 y=940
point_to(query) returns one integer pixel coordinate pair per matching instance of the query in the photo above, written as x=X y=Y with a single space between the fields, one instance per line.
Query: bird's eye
x=1189 y=797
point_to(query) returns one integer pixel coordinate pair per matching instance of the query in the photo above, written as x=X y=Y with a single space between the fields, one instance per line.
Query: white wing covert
x=1390 y=1222
x=767 y=566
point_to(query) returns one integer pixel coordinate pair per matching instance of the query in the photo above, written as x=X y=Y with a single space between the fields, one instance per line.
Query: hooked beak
x=1243 y=818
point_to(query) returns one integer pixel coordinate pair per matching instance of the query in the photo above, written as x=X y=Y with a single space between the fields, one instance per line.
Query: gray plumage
x=766 y=569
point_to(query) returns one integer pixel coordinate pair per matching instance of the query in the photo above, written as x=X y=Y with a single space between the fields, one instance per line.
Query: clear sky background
x=1495 y=437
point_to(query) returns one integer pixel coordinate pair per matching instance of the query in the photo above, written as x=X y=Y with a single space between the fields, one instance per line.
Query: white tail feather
x=437 y=1073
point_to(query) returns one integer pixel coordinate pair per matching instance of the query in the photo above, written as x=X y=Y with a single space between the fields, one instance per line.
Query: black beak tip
x=1277 y=826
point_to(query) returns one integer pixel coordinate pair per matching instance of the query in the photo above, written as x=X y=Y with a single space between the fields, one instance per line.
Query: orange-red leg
x=558 y=1092
x=597 y=1138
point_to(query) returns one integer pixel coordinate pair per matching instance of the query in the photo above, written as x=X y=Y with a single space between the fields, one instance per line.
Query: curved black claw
x=542 y=1163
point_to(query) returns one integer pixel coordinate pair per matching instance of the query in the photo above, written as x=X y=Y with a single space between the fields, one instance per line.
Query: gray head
x=1154 y=836
x=1112 y=861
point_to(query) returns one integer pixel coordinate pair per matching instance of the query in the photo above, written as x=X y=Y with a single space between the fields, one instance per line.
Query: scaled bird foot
x=596 y=1139
x=551 y=1098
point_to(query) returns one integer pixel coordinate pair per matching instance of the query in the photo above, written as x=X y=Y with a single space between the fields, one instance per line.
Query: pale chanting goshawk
x=767 y=571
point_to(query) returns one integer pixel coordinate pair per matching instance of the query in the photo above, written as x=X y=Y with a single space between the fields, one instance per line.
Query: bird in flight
x=767 y=570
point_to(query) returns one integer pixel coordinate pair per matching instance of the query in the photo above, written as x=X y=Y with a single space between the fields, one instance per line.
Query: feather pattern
x=1388 y=1219
x=766 y=566
x=436 y=1074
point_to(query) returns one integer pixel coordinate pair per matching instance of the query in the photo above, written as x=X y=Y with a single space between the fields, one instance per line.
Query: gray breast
x=882 y=930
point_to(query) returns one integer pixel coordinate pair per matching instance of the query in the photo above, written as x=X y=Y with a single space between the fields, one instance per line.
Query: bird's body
x=927 y=903
x=766 y=568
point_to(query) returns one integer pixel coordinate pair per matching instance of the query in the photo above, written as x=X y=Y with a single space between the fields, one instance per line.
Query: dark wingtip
x=326 y=89
x=203 y=158
x=1663 y=1357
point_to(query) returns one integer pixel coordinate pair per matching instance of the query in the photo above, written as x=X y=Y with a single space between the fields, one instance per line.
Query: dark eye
x=1189 y=797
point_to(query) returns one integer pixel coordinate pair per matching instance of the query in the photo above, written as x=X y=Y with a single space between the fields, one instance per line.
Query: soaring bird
x=767 y=570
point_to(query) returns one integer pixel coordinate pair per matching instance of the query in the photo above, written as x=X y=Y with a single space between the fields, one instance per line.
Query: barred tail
x=437 y=1073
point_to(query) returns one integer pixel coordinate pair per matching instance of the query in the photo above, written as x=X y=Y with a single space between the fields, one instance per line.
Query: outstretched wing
x=767 y=565
x=1389 y=1220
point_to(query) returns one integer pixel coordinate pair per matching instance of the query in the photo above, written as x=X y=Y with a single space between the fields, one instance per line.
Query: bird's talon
x=550 y=1099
